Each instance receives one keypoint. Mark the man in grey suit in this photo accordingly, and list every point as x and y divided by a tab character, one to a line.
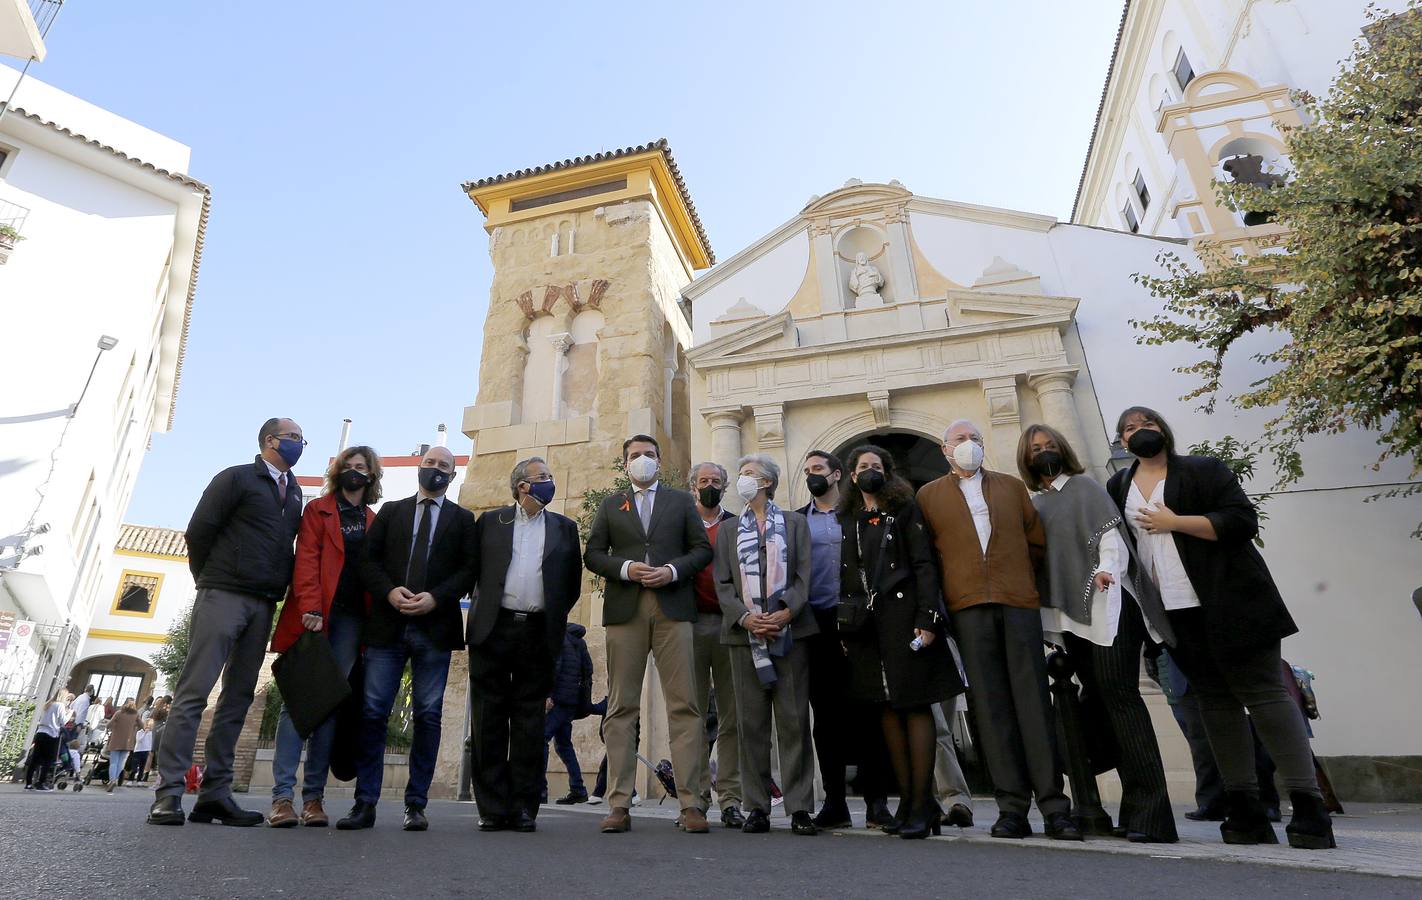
648	543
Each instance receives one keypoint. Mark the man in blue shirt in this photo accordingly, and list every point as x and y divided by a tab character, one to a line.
836	717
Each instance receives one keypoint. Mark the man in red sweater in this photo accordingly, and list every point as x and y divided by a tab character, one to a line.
712	659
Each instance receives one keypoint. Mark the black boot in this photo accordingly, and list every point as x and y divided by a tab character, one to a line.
1310	828
1246	822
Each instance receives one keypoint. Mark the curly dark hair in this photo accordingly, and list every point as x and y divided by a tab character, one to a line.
896	493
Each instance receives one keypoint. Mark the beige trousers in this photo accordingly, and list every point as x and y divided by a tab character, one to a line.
713	666
670	643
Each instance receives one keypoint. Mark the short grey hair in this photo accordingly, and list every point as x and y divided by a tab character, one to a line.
956	422
520	472
696	471
768	469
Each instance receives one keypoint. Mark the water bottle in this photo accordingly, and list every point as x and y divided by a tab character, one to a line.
916	644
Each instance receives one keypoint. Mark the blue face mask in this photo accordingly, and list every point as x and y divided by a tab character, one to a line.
542	491
433	480
289	450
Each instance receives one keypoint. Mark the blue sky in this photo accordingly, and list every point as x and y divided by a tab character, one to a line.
335	137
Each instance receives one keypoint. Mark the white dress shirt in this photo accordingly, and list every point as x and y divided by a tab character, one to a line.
1158	553
640	496
523	585
977	505
278	474
420	508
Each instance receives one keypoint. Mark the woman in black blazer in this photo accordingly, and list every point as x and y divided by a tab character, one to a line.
1194	530
886	566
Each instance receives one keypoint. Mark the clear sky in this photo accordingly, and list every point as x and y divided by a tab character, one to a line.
346	275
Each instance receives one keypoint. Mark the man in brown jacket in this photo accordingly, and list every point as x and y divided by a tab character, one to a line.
988	540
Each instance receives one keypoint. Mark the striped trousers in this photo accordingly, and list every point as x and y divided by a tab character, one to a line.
1113	674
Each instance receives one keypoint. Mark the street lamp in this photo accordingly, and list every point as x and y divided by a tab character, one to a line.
106	343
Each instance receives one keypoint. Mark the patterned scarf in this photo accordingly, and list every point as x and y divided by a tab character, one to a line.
776	562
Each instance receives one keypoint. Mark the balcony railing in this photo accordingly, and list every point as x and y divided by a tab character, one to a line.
13	214
44	12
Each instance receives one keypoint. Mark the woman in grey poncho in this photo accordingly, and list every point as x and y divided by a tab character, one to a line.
1096	605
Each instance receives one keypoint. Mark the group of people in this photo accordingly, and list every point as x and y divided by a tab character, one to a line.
129	735
847	630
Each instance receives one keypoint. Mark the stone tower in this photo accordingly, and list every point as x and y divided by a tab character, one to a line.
585	341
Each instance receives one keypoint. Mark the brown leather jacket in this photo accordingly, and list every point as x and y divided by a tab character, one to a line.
1006	573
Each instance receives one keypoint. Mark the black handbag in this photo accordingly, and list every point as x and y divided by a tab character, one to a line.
852	611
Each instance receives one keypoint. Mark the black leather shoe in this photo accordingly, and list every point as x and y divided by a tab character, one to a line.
166	811
801	823
362	815
1060	827
834	814
918	827
1201	814
756	823
415	819
572	797
896	824
1011	825
493	823
876	814
959	816
226	811
731	817
523	821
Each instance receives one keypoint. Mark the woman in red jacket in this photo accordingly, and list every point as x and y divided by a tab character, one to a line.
327	596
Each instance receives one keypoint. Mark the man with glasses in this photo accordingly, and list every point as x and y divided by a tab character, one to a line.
530	575
241	550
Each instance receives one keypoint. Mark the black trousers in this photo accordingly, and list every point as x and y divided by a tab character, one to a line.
1113	674
845	731
43	755
1007	683
510	678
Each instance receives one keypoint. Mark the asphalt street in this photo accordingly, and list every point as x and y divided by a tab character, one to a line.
95	845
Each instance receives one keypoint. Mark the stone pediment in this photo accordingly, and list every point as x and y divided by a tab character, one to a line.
775	332
854	198
967	307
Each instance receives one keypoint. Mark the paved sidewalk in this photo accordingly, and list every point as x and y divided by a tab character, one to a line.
1373	838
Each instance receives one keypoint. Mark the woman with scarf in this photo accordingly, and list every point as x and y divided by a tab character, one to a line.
1194	529
1097	605
762	574
891	620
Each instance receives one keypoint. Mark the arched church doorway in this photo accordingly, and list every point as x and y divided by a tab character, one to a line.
115	676
920	460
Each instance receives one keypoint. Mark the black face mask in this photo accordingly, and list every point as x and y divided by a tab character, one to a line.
433	480
710	496
870	481
1047	464
1146	443
351	480
818	484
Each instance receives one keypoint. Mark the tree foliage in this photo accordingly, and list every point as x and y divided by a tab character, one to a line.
170	657
1345	292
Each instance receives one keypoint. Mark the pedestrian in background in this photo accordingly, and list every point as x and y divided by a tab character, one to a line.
142	748
1194	529
123	734
329	598
44	751
240	550
571	700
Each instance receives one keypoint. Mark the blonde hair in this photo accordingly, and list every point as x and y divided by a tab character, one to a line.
338	465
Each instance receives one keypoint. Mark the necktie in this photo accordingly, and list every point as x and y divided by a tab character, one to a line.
419	554
281	488
645	510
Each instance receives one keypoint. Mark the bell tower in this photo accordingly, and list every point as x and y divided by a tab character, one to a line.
585	341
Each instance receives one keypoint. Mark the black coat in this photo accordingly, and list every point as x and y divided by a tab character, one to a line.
241	537
562	573
676	537
453	566
908	596
573	671
1242	606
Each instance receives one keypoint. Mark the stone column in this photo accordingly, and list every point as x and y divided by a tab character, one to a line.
1058	403
1004	425
725	423
770	434
562	342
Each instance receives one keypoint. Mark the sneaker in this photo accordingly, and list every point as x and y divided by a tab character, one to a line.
594	799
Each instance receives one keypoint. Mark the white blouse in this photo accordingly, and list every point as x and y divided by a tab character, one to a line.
1158	553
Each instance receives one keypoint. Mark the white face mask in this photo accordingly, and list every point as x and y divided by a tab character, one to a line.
643	469
747	486
968	456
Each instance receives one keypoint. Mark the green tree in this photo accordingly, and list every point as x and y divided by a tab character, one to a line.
1345	293
169	658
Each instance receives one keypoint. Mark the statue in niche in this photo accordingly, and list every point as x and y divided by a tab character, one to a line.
865	282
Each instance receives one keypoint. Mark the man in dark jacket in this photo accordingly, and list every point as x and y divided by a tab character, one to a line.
571	700
241	550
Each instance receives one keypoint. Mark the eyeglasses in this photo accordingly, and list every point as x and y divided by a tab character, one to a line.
293	436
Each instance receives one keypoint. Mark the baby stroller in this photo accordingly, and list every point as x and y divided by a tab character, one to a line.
95	760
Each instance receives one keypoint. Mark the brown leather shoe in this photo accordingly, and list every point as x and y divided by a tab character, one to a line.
693	821
282	816
313	815
619	820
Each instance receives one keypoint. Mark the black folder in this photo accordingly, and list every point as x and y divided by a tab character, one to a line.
312	685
